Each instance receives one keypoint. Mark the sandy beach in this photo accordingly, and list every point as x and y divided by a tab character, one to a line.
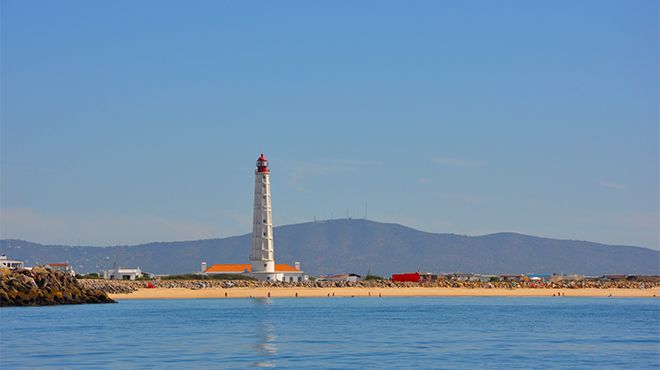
279	292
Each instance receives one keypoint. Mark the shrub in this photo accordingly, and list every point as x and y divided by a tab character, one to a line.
207	277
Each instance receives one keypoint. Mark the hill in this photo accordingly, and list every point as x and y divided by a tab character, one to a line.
347	245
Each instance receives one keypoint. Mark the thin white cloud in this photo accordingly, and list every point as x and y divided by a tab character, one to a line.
613	185
458	162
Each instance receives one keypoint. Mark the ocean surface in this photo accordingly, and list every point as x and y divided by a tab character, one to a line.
338	333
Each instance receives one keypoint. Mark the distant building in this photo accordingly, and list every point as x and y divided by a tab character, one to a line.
341	277
485	278
514	278
415	277
555	278
460	276
573	277
61	266
647	278
407	276
616	277
119	273
539	277
11	264
283	272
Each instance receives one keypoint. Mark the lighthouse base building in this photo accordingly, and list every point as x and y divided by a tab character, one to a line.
283	272
262	264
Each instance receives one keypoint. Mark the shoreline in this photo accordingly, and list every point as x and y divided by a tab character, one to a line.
300	292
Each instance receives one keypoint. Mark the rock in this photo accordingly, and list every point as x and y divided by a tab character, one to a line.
39	287
126	286
40	270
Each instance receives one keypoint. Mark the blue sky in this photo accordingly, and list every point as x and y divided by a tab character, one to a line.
128	122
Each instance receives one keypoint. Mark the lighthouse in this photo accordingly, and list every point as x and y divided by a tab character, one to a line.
262	254
262	257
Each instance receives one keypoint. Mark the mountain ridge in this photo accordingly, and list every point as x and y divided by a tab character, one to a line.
358	245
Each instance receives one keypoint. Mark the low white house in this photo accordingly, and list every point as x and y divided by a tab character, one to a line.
341	277
11	264
61	266
122	273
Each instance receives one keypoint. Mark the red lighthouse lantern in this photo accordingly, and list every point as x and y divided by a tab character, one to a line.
262	164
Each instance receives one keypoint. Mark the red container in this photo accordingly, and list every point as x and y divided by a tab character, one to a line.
408	276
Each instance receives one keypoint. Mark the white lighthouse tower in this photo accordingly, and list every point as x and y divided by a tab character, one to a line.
262	257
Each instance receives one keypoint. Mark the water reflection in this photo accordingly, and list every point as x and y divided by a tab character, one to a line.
265	336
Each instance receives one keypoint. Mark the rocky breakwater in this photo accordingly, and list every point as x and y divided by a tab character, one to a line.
43	287
127	286
113	286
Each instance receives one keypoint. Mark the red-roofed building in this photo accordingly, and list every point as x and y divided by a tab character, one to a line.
61	266
229	268
284	272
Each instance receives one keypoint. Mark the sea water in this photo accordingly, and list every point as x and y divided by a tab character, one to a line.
348	333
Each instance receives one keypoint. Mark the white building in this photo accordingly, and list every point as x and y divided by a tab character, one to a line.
122	273
341	277
283	272
61	266
262	256
11	264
